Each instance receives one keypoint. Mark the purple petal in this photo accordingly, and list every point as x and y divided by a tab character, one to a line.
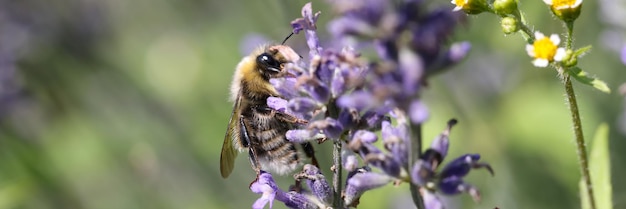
296	200
345	26
350	161
374	157
338	84
348	118
458	51
418	112
365	136
317	183
303	105
422	173
265	185
277	103
461	166
320	93
362	182
442	142
431	201
359	100
286	87
454	186
331	127
301	135
372	120
411	68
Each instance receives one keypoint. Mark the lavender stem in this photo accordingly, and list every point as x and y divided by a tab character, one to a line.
337	201
415	152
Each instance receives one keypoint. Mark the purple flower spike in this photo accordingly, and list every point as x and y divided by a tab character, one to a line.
361	182
316	182
307	23
462	165
264	185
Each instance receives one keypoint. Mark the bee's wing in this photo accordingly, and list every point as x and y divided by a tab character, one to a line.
227	158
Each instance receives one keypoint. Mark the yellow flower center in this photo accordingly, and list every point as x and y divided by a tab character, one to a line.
563	3
460	3
544	48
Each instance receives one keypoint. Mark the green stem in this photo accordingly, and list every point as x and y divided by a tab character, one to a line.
580	141
578	129
333	112
570	32
415	152
337	201
523	27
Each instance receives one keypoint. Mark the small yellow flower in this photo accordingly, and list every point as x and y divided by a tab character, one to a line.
566	10
460	4
545	50
470	6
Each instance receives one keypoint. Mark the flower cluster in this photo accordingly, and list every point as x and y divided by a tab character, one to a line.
347	99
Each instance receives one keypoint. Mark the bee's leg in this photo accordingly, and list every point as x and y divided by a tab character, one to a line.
309	151
285	117
246	142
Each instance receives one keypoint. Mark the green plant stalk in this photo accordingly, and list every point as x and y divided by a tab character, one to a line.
337	201
415	152
337	169
583	160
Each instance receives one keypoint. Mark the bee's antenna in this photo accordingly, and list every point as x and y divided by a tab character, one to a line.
283	43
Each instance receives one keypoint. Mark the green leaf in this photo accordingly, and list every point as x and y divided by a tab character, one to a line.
600	168
581	51
584	78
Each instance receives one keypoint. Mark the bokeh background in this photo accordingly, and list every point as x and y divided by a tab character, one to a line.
123	104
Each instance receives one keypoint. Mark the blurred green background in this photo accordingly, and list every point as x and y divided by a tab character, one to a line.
123	104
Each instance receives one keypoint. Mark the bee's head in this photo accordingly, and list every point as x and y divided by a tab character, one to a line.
268	65
271	63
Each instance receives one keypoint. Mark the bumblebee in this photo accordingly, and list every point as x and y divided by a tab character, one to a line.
255	127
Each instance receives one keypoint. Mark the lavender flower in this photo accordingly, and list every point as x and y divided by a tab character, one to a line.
347	99
266	186
450	180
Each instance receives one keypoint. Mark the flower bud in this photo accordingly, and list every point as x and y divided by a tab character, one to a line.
509	25
504	7
566	10
570	60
